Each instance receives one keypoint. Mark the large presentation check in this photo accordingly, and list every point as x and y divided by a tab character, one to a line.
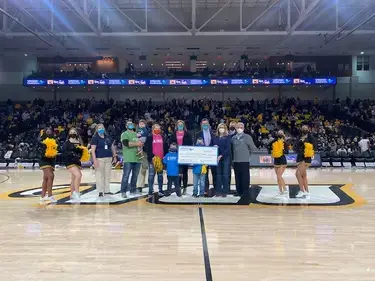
205	155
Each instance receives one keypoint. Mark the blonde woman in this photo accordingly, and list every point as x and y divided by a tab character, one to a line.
222	140
103	154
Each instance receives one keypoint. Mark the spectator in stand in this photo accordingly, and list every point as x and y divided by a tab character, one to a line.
131	161
364	144
182	137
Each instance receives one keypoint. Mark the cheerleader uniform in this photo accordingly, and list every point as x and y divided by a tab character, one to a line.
45	162
279	161
72	155
300	149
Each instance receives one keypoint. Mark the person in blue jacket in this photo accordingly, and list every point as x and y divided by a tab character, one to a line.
173	170
223	141
199	175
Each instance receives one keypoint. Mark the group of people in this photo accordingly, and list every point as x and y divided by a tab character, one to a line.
149	149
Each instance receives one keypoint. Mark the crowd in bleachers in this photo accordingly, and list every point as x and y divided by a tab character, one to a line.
20	125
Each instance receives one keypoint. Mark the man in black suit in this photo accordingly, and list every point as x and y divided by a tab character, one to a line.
207	135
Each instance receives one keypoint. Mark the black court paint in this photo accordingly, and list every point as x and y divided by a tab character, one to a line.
6	178
206	256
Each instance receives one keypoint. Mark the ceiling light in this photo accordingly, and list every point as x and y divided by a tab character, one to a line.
25	55
362	53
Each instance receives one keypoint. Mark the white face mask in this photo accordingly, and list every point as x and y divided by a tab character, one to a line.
221	130
239	130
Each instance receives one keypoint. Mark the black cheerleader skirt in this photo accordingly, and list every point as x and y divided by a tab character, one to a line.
45	162
302	158
280	161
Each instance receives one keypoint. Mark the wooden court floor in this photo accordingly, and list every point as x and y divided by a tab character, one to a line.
332	238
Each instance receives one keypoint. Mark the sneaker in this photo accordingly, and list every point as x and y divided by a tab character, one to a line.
101	194
76	196
195	196
300	195
123	195
41	200
306	195
52	200
184	191
224	195
160	194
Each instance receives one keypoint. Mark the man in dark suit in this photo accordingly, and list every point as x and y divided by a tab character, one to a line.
207	135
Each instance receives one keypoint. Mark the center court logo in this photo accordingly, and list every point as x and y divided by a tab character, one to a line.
320	195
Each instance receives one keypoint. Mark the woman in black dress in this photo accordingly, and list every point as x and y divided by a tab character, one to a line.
278	148
304	148
72	156
47	162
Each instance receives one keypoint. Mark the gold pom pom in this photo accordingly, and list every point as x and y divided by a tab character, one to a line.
158	164
85	153
204	169
278	149
309	150
51	148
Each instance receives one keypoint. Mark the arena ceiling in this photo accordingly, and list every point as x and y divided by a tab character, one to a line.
257	28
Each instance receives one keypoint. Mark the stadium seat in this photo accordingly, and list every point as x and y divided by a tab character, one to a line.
369	159
326	159
346	159
358	159
336	159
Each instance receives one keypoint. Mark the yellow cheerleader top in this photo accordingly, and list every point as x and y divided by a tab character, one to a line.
278	148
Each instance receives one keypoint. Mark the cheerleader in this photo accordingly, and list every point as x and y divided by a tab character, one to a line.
47	162
73	154
305	151
278	148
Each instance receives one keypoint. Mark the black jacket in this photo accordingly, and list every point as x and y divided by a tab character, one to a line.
187	140
148	147
200	135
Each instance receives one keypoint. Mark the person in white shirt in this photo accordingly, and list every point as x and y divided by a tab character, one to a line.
364	144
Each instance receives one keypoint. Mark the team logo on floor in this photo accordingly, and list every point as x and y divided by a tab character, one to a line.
266	195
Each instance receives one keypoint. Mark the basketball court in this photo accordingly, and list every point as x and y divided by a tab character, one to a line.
329	236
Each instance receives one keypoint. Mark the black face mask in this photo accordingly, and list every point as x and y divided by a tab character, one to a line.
232	128
73	136
305	132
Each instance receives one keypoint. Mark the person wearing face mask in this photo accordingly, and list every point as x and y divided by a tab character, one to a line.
170	160
207	135
47	163
103	152
278	148
242	148
72	155
131	160
232	128
142	134
223	141
305	146
182	137
156	146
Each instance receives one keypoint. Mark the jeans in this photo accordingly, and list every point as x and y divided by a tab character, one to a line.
175	180
199	184
151	179
134	169
222	176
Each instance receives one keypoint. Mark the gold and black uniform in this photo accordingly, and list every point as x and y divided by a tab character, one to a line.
300	148
72	154
275	144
